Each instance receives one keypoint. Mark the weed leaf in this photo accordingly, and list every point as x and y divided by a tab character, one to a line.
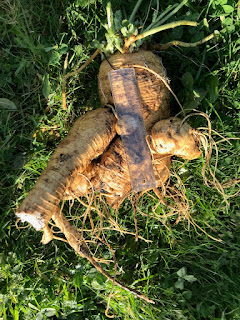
187	80
228	9
46	87
182	272
7	104
190	278
187	294
180	284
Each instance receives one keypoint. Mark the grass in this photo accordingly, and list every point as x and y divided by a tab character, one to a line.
190	275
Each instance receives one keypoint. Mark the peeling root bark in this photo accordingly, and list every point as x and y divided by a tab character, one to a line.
79	245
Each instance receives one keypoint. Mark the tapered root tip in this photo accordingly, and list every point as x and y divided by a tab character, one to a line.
35	220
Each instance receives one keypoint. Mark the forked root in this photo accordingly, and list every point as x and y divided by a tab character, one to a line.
80	247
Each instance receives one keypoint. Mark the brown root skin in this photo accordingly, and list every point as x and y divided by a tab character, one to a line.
79	183
90	159
47	235
153	92
88	138
172	136
110	175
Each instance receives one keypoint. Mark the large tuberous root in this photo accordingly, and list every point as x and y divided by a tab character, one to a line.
85	142
109	175
91	158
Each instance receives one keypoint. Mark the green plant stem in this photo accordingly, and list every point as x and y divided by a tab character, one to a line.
135	11
149	6
110	17
156	12
160	17
159	22
165	27
171	13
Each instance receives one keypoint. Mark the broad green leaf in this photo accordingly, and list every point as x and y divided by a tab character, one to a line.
190	278
78	49
95	44
46	86
187	80
124	31
227	8
187	294
72	304
54	58
125	23
212	87
182	272
204	311
7	104
32	306
230	29
228	21
95	284
180	284
63	49
227	160
49	312
39	316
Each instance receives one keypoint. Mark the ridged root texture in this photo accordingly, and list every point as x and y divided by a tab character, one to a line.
172	136
87	140
110	175
153	92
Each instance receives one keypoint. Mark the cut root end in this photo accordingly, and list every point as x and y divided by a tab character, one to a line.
35	219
